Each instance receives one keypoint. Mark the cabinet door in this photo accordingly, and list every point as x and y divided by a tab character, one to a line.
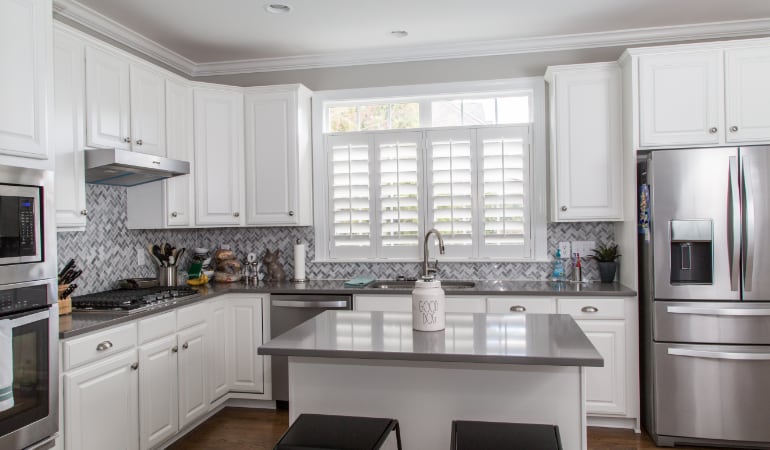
107	100
244	325
68	130
218	157
470	304
218	365
101	406
271	159
25	90
158	401
148	111
680	98
606	386
520	304
179	145
747	94
192	374
587	140
390	303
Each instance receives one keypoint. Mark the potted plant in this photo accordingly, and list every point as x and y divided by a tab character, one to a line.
606	255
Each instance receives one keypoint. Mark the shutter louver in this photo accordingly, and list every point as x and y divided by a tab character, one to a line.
350	194
451	187
399	194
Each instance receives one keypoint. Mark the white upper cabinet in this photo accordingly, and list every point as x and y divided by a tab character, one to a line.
218	156
704	94
125	104
25	81
179	145
278	156
586	146
747	94
68	130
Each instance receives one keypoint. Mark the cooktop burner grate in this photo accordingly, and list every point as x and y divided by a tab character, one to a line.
130	300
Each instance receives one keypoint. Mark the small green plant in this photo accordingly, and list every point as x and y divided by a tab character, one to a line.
605	252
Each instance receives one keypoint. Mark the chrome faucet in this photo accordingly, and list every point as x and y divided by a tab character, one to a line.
429	272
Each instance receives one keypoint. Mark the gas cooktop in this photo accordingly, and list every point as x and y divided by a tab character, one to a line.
131	300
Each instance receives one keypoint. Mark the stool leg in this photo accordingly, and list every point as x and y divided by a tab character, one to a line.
398	436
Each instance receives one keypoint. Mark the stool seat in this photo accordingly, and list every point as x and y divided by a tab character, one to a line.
321	431
471	435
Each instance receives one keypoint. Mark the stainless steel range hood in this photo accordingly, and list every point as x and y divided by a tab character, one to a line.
125	168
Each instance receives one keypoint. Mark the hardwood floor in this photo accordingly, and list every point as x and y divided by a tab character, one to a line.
260	429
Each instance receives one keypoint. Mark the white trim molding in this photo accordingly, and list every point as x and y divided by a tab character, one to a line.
99	23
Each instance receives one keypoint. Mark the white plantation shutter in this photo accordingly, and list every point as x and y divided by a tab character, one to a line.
350	200
504	184
451	189
399	168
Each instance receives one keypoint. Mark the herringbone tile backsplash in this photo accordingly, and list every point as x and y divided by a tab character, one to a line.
107	250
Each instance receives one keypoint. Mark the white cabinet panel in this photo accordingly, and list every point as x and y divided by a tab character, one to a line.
179	145
244	325
107	100
586	141
158	394
101	405
747	94
389	303
148	115
606	386
25	81
218	157
193	366
521	304
218	360
68	130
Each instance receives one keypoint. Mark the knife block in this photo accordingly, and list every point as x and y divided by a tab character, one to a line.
65	305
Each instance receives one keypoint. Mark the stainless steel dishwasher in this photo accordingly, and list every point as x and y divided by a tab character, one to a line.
286	312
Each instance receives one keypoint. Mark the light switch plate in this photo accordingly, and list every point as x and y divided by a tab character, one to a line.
564	249
583	247
140	259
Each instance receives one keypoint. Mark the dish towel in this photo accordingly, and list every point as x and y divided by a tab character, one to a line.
6	365
360	281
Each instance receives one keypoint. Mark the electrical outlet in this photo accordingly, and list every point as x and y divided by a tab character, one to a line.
583	247
564	249
140	259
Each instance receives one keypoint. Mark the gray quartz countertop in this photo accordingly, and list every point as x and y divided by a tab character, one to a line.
85	322
524	339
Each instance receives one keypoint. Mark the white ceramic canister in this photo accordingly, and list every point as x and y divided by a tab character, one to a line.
428	306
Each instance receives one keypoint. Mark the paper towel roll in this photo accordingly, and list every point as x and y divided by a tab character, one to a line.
299	262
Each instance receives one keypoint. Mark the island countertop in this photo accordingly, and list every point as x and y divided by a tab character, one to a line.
524	339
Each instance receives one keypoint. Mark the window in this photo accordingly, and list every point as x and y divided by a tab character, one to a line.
390	167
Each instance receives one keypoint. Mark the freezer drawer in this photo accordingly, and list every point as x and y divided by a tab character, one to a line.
713	392
712	322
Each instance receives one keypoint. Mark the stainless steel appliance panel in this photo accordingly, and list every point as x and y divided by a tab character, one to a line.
755	183
713	392
288	311
690	185
712	322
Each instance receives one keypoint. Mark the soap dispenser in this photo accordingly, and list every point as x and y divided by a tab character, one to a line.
558	268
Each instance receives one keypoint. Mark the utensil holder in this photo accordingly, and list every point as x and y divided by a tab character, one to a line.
65	305
167	276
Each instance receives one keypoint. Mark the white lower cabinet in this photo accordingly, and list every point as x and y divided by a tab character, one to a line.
521	304
158	393
244	336
217	370
101	407
193	399
403	303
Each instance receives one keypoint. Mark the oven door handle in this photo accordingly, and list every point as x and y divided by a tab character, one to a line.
26	318
740	356
312	304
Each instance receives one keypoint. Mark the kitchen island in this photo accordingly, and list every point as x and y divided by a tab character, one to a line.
525	368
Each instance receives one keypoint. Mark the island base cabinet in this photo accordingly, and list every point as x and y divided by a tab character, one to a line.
244	325
101	408
193	401
158	392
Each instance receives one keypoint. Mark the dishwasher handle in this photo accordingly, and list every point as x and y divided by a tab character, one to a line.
338	304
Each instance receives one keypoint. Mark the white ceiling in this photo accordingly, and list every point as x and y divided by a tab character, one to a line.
217	31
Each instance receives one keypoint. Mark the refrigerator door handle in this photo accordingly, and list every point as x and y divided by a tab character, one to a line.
718	311
741	356
748	195
734	226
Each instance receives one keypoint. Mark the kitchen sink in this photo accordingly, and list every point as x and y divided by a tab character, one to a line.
406	284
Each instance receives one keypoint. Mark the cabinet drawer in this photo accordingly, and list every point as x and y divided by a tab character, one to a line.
156	327
458	304
99	345
542	305
390	303
191	315
592	308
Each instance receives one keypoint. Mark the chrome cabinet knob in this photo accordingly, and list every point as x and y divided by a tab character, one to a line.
174	349
589	309
518	308
186	345
733	128
713	130
563	208
174	214
83	212
127	140
291	213
139	142
134	366
236	214
106	345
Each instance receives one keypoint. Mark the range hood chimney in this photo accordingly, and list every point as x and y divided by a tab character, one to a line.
125	168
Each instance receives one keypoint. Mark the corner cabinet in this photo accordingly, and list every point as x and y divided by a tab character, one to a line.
585	127
278	156
218	156
25	82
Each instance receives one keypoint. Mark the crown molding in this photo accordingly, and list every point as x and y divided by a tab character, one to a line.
95	21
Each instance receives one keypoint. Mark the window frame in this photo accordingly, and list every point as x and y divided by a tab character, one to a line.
537	159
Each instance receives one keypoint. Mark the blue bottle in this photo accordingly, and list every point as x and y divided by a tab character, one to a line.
558	268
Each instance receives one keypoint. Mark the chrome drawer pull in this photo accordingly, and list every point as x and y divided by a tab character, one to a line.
589	309
518	308
106	345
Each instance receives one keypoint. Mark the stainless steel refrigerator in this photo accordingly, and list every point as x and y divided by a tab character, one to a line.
704	239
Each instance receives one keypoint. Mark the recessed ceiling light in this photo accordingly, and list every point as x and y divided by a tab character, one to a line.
399	33
277	8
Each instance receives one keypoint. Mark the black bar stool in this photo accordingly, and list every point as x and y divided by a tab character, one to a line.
320	431
470	435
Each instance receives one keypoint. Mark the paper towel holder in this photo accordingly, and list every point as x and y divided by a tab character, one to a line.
299	261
